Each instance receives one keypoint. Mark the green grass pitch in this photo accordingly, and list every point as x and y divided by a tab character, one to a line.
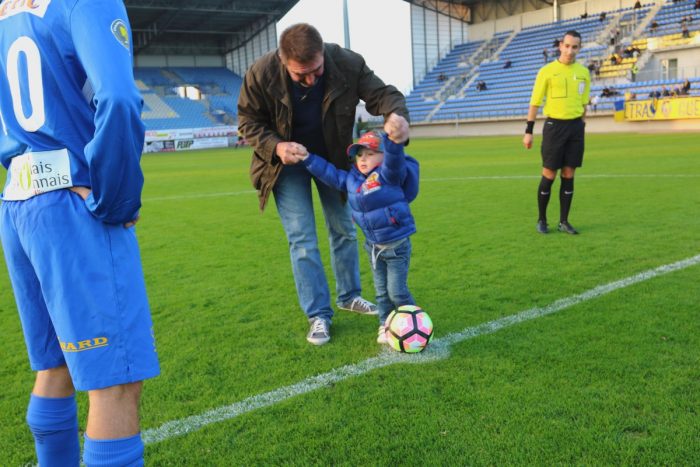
613	380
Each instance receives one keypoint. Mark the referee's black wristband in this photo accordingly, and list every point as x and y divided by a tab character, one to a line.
530	126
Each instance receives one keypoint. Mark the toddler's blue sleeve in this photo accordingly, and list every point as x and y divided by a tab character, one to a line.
326	172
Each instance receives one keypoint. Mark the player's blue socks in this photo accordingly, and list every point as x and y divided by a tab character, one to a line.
122	452
54	424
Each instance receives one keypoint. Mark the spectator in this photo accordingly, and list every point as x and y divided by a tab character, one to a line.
307	73
609	92
507	64
685	89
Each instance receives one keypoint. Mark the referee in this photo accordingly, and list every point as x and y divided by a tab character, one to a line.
565	86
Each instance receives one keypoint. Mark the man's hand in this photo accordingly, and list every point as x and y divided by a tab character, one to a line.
84	192
290	153
527	141
396	128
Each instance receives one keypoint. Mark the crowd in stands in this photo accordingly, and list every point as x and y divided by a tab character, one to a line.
677	91
616	63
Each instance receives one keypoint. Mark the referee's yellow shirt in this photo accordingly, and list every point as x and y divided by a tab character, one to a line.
564	88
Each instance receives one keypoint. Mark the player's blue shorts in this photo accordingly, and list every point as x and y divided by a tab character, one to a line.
80	291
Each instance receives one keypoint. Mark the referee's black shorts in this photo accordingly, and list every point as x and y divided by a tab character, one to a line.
562	143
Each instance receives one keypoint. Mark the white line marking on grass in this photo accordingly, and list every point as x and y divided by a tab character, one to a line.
427	179
439	348
531	177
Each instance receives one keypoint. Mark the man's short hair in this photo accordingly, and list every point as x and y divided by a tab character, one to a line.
574	33
300	42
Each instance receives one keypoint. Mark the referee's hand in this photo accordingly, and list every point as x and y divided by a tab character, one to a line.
527	140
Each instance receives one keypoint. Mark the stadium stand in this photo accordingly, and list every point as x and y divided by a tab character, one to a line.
164	109
508	87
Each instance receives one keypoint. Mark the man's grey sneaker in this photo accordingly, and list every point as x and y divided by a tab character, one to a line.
381	335
567	228
542	227
359	305
319	332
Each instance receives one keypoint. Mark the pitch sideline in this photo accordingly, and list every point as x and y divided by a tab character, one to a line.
439	348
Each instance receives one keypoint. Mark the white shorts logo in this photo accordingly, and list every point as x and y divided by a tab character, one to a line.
34	173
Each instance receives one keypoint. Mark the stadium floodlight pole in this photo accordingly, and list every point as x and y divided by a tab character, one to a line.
346	26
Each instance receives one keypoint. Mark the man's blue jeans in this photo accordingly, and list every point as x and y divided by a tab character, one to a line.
390	270
295	206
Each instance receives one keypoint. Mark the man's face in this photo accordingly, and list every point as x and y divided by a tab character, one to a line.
305	73
569	48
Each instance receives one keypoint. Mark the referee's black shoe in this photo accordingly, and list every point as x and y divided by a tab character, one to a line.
542	227
565	227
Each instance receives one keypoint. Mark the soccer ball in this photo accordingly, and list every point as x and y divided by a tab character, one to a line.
409	329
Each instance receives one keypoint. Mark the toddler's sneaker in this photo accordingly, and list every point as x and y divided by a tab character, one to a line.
381	336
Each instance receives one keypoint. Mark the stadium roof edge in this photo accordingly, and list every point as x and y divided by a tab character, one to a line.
211	27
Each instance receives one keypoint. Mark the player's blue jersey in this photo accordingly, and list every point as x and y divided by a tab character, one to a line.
67	86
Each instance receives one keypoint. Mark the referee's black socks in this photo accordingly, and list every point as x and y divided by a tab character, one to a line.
543	193
566	194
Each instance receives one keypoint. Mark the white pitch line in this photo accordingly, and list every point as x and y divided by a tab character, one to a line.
529	177
428	179
439	348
